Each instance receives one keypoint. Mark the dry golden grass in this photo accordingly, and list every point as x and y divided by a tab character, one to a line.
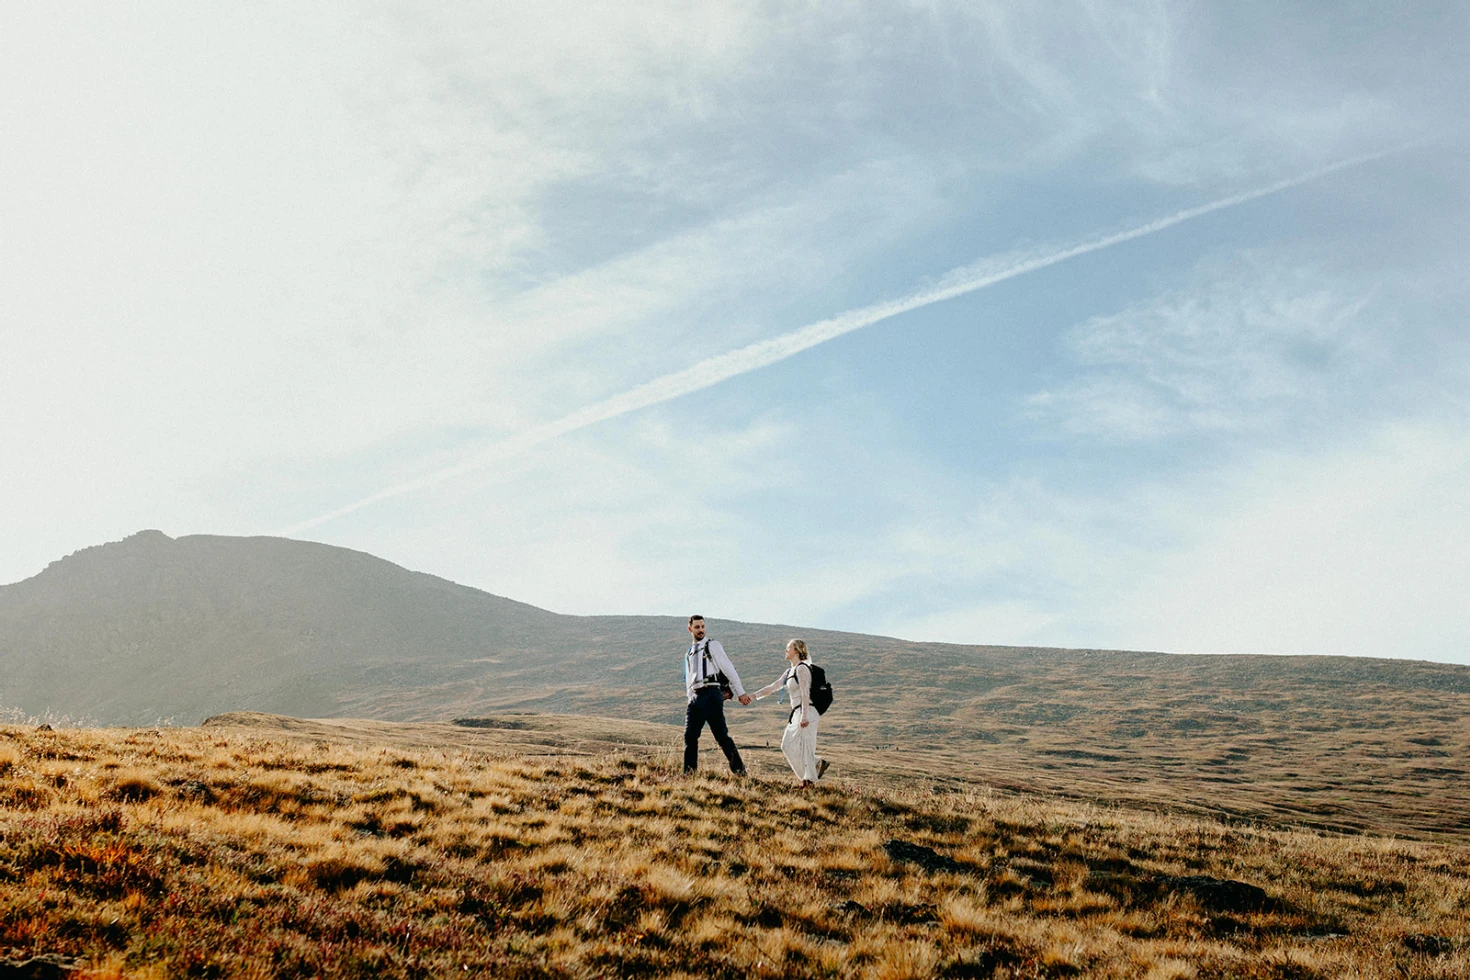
1305	742
371	851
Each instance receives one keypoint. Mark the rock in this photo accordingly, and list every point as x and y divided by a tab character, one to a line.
911	914
194	789
48	966
1430	945
1221	894
925	857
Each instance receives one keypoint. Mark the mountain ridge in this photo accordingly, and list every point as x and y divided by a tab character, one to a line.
206	602
213	623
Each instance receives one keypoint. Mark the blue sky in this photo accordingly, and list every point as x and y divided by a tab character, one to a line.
1124	325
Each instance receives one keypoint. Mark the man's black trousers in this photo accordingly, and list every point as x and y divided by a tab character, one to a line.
708	707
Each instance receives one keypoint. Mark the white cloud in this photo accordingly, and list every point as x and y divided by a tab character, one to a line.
721	281
1356	551
1251	343
1362	550
1359	548
645	526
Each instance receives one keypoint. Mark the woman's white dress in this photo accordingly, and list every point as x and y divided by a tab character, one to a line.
798	744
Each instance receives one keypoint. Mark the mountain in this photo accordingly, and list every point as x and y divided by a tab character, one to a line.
154	627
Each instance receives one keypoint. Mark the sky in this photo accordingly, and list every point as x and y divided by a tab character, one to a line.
1123	325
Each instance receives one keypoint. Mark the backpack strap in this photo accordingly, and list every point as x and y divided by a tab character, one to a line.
803	663
705	657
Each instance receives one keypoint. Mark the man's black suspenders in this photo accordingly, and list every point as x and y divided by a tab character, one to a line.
705	678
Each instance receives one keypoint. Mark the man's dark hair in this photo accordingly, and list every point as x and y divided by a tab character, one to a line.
694	617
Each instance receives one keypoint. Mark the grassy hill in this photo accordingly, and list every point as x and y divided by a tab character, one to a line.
536	847
155	627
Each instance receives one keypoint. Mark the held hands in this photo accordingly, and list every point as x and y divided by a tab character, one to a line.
745	699
805	723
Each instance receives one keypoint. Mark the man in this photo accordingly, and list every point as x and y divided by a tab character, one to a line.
703	664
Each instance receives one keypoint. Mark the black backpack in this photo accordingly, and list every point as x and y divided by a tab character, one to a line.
821	688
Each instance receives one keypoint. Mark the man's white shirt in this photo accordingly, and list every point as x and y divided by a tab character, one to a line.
699	670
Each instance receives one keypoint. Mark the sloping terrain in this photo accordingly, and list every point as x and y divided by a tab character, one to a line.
274	847
154	627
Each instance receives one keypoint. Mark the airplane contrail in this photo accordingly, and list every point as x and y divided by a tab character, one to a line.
722	367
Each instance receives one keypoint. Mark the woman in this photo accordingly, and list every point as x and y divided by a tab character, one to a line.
799	741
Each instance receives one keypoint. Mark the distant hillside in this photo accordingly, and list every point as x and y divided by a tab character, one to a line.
151	626
154	627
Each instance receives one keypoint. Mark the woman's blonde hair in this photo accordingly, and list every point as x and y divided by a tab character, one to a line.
800	647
